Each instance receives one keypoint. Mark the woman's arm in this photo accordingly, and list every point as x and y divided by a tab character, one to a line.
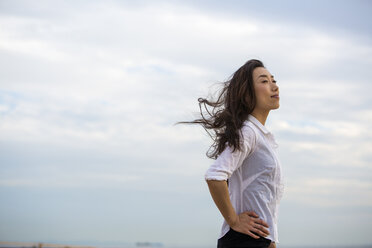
246	222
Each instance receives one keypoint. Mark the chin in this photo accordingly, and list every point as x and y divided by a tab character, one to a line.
276	107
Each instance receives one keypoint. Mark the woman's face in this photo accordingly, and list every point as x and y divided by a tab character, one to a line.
266	89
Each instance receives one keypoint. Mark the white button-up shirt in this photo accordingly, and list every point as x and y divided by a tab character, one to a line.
254	173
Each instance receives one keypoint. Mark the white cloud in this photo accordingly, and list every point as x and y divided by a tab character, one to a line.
86	180
330	192
107	82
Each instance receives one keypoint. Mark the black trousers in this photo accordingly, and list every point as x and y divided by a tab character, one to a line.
234	239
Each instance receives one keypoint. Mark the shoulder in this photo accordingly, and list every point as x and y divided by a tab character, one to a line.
249	134
249	128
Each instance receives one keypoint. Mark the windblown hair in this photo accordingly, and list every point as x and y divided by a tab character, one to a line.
234	103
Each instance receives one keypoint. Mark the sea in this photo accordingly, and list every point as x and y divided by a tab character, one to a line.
7	244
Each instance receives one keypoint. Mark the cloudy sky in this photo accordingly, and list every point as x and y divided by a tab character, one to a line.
90	92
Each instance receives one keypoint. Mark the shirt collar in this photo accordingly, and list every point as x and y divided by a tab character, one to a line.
258	124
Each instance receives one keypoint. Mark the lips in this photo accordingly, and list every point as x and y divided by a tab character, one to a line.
275	96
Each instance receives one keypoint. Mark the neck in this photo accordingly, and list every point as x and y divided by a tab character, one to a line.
261	116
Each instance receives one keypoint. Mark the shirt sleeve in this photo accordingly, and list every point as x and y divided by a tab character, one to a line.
227	162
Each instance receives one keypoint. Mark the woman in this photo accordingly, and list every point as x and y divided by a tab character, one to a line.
245	180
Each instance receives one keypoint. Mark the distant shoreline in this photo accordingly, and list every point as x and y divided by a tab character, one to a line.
6	244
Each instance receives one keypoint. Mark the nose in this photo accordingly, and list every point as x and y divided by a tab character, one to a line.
275	88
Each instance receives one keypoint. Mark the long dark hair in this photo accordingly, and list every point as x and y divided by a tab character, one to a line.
234	103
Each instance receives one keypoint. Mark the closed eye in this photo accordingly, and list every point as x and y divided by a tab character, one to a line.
265	81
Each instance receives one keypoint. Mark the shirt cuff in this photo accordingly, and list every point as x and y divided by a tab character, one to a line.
216	175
